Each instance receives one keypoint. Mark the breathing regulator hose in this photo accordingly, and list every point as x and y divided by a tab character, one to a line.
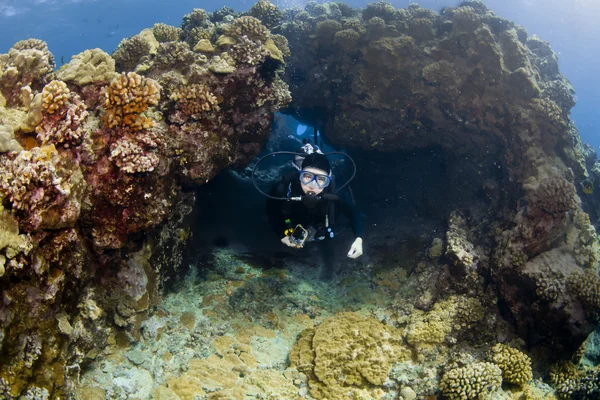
327	196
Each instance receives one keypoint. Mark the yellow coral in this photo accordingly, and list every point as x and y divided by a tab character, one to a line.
474	381
54	96
126	98
348	353
430	329
515	365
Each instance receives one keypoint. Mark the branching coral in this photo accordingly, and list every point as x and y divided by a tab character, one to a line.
32	183
166	33
555	195
249	26
194	99
586	287
381	9
131	157
131	50
573	383
54	96
471	382
282	44
515	365
246	51
65	124
267	13
126	98
89	66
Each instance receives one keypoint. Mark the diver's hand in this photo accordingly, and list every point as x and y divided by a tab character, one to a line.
356	249
287	241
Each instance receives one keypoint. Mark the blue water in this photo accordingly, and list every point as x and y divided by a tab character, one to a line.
70	26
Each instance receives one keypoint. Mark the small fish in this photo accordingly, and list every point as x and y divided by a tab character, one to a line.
588	186
62	60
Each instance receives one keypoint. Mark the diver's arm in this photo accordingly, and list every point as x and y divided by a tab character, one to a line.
356	250
353	216
275	209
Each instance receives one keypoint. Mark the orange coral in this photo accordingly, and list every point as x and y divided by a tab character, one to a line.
126	98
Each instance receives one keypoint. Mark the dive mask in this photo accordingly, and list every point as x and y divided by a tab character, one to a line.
307	177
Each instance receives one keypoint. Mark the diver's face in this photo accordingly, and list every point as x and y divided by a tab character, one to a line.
312	187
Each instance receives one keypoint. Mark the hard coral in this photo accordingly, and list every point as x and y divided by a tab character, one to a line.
63	116
28	64
347	355
54	96
131	157
194	99
586	287
246	51
37	188
90	66
267	13
471	382
515	365
555	195
126	98
131	50
381	9
166	33
249	26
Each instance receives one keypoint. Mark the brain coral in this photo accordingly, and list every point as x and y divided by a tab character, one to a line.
348	353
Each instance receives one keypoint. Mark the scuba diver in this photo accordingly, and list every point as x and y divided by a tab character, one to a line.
302	206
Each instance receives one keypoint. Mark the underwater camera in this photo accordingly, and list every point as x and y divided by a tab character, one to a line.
299	235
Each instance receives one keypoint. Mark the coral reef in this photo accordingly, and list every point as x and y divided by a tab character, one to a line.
269	14
347	355
100	163
126	98
476	381
89	66
94	164
515	365
405	80
166	33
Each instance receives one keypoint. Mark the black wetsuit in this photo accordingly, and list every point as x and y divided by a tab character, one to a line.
309	217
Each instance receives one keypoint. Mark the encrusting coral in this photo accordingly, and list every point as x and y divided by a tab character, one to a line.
126	98
348	355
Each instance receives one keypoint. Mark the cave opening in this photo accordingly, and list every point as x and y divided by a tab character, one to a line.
405	198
